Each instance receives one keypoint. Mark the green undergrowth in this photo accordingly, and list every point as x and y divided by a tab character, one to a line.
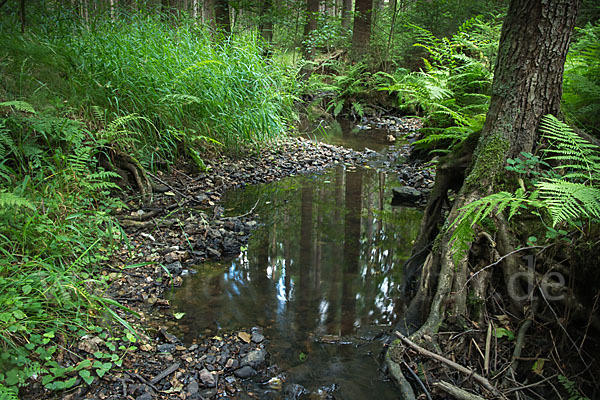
565	197
195	91
56	232
453	90
581	96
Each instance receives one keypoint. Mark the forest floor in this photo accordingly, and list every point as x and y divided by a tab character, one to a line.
183	227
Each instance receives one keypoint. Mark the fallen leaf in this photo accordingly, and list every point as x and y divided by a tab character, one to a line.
244	336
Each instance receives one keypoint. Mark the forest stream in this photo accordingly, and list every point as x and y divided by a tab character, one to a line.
320	276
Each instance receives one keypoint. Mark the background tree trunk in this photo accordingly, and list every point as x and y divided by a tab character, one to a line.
266	22
312	10
222	16
346	13
361	32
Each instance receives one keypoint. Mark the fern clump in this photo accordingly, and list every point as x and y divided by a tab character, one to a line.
565	196
453	90
581	94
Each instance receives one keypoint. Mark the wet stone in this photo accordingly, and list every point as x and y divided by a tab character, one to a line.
207	378
295	391
165	348
192	388
255	358
257	337
245	372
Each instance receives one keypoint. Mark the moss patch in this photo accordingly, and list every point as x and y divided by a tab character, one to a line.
489	159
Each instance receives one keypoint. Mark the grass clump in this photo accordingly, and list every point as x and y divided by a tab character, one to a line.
194	91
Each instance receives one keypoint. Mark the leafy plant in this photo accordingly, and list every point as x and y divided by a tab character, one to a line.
581	95
55	230
565	195
453	90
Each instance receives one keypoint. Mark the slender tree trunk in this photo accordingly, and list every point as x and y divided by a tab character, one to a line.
222	16
208	14
22	16
527	85
346	14
312	10
361	33
266	24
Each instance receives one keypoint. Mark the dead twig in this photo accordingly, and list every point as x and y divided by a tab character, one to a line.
456	392
248	213
467	371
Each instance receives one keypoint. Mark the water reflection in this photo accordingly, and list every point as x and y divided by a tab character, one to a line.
326	261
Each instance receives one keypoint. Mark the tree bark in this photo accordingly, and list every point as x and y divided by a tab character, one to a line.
527	85
361	32
312	10
346	13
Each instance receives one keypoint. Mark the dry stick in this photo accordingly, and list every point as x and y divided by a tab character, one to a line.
185	196
456	392
467	371
243	215
530	385
488	346
587	327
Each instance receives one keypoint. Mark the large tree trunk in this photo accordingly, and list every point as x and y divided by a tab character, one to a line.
312	10
361	33
527	85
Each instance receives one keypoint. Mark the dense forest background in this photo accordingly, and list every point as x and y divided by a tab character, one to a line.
97	95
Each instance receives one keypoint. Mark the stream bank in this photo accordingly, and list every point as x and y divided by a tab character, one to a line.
185	227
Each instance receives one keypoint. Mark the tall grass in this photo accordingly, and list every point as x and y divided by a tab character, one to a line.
194	89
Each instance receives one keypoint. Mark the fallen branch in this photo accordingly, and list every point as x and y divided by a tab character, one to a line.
467	371
456	392
174	367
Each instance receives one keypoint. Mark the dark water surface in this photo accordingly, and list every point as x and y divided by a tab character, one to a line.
324	265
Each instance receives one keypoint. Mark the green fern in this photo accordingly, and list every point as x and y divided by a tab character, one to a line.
9	200
474	213
19	106
578	158
569	201
8	393
566	198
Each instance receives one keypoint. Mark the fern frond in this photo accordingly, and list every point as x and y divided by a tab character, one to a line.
7	393
569	148
569	200
8	200
19	106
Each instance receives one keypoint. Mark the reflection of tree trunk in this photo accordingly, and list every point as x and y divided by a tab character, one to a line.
305	259
287	260
351	255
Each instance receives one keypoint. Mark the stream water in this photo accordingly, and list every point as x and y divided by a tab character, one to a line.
321	275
